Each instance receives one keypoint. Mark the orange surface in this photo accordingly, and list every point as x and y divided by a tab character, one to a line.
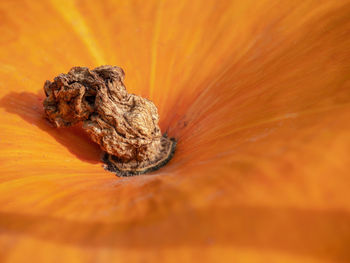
257	94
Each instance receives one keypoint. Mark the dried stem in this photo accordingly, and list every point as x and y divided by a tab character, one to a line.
124	125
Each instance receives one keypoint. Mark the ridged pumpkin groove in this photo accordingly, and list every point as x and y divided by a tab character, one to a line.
257	94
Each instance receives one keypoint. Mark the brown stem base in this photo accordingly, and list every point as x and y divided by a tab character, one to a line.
123	124
122	169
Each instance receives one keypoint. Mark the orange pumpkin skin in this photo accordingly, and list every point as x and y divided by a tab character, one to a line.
257	94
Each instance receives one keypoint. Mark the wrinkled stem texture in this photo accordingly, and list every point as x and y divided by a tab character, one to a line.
124	125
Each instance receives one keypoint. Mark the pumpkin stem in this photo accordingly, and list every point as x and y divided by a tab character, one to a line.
124	125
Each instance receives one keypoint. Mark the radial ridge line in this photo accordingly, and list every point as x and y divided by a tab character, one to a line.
71	14
154	49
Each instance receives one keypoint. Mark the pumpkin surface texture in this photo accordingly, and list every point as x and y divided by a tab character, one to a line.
257	95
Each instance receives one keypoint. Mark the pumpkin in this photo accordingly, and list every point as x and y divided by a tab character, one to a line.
257	93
